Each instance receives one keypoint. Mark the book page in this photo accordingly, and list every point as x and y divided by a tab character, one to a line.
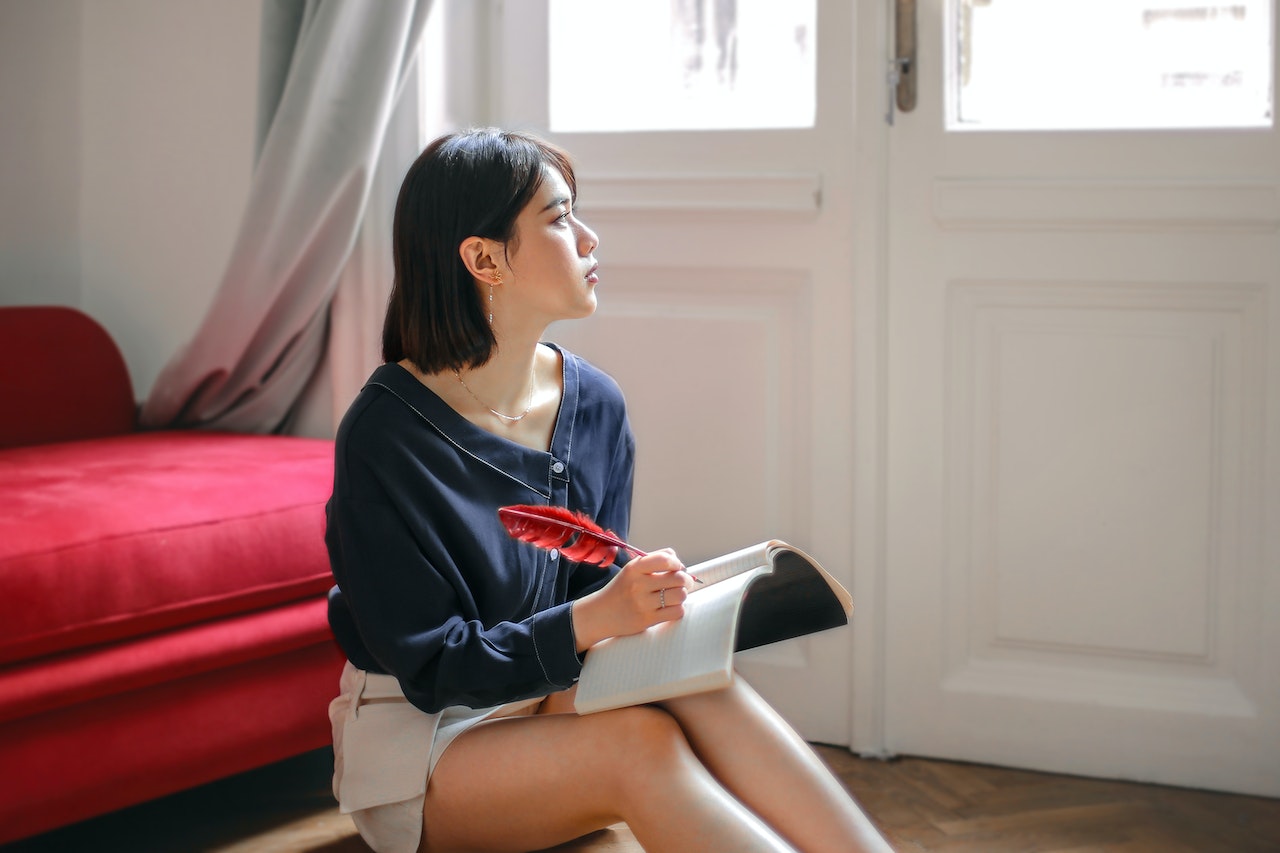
734	563
691	654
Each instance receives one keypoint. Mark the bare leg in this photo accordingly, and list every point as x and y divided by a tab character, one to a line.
525	783
765	764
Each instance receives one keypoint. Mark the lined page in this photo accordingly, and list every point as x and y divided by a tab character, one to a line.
695	652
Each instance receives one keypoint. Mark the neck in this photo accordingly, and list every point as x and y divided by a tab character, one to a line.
505	384
505	376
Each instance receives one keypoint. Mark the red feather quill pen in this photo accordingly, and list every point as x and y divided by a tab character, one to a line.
574	533
577	536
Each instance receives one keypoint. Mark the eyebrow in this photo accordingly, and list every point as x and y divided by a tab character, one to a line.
556	202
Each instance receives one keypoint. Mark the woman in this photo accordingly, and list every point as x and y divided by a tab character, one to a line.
458	636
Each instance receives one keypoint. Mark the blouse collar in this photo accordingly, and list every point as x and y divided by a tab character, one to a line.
541	471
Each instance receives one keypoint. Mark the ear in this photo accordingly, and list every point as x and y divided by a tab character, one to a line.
481	257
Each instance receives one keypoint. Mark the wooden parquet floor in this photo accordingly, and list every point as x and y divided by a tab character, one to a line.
919	805
940	805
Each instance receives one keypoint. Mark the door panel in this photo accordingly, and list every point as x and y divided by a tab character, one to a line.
1081	494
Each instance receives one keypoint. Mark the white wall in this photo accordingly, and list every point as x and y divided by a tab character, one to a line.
39	152
124	184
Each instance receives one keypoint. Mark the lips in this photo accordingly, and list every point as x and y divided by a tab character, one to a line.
591	274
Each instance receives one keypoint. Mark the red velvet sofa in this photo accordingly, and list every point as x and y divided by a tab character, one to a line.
162	594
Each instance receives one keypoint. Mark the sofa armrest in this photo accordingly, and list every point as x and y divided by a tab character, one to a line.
62	378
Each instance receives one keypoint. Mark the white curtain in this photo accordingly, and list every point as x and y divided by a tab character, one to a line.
299	258
364	285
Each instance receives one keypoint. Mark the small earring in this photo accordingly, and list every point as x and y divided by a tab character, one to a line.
497	279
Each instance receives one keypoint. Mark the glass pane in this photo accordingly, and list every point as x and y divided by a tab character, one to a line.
1109	64
681	64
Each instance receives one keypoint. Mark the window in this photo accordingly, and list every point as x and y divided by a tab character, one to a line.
616	65
1110	64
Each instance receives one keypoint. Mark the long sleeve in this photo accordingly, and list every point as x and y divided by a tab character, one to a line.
420	622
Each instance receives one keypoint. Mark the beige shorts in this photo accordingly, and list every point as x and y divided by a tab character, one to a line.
384	751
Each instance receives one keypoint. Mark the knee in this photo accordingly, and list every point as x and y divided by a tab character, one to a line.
650	746
735	698
647	730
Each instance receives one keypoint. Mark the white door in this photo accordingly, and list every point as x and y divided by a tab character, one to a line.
724	297
1080	371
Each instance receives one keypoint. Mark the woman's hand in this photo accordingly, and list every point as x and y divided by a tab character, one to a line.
648	590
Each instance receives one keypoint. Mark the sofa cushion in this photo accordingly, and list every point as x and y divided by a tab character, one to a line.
116	537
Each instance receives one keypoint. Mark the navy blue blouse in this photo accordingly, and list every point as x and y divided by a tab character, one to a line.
430	588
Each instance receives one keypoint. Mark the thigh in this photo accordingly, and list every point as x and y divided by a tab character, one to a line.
525	783
559	703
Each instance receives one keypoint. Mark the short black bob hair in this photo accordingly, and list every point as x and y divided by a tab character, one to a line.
468	184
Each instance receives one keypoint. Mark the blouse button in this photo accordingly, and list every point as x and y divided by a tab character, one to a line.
557	467
555	555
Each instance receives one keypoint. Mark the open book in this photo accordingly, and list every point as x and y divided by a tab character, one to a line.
753	597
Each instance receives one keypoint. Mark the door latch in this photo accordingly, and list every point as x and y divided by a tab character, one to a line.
902	68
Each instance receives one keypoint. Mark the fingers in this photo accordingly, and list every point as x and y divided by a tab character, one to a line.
671	596
647	591
661	572
656	562
669	604
664	567
657	585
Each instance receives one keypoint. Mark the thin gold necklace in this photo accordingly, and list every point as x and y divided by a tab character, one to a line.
511	419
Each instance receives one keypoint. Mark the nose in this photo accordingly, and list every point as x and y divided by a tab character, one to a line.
587	239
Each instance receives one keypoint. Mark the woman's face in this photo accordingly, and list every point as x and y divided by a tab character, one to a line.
552	270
